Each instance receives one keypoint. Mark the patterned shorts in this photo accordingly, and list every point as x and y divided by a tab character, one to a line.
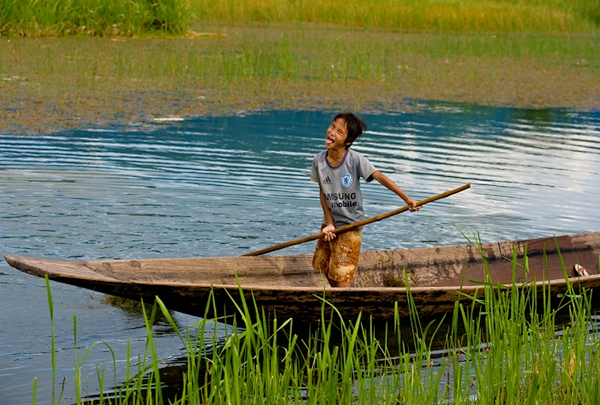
338	258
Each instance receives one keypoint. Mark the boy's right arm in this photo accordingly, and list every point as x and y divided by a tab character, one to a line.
330	225
390	185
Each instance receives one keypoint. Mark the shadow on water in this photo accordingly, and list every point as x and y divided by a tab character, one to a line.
137	309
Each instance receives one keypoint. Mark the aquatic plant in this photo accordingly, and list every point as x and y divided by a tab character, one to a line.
501	347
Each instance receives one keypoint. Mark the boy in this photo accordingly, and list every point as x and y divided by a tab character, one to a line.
337	170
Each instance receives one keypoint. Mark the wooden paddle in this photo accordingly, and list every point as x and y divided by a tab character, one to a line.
356	224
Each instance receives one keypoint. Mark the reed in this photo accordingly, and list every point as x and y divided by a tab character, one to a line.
141	17
36	18
447	15
502	347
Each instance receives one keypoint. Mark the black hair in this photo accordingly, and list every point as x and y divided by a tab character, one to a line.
355	126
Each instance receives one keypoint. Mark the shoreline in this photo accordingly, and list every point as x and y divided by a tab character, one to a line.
46	88
26	114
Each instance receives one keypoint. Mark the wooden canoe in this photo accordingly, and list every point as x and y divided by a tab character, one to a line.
289	287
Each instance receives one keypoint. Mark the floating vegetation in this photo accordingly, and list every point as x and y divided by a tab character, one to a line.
98	82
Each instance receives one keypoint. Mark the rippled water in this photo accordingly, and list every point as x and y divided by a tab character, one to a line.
225	186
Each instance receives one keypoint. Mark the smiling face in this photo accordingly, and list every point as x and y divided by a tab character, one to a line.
337	133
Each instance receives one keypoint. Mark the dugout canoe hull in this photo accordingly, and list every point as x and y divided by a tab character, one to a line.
288	287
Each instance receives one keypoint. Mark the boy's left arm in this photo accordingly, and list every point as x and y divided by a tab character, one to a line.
390	185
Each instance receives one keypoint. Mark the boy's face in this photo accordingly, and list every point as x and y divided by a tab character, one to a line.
336	135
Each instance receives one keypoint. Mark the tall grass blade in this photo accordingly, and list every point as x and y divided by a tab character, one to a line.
52	337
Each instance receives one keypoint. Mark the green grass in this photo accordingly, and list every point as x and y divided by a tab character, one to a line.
37	18
297	56
507	351
446	15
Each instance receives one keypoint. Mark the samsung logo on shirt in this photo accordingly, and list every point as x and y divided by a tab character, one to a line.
340	196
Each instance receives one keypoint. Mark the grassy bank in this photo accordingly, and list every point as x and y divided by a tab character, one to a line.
507	352
40	18
445	15
142	17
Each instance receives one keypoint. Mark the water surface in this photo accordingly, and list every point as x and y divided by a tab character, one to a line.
226	186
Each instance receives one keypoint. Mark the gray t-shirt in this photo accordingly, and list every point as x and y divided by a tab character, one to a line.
341	185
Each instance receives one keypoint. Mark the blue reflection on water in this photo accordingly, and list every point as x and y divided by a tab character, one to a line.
225	186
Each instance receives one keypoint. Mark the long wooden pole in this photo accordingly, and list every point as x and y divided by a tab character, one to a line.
356	224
